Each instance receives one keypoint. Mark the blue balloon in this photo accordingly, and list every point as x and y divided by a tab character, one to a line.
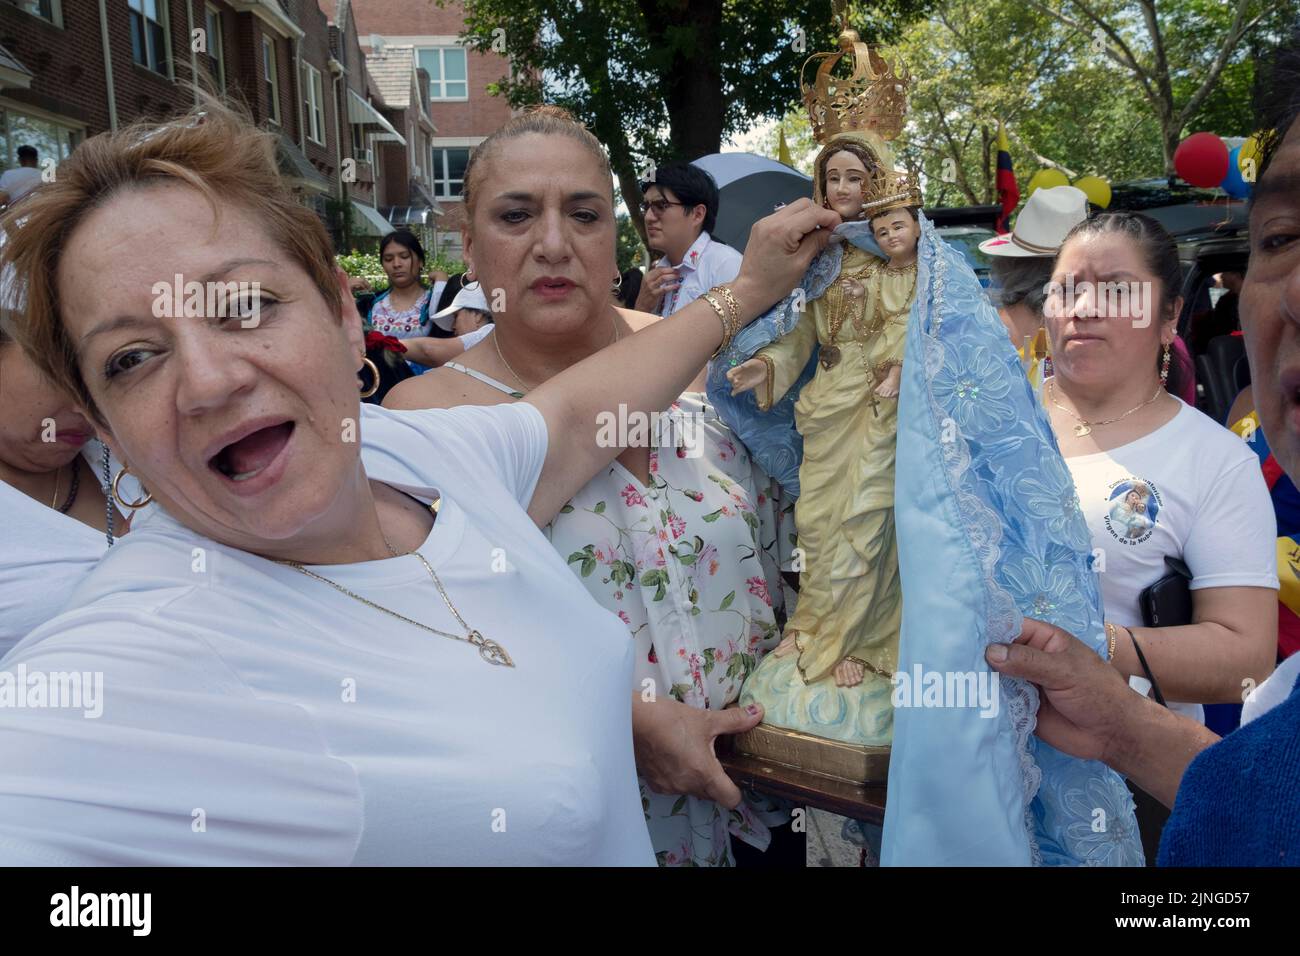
1233	184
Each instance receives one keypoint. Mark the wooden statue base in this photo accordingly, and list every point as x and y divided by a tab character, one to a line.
809	771
848	763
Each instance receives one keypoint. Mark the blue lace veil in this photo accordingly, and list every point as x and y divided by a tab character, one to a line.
989	529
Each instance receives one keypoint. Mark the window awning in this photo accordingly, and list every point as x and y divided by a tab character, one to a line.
369	221
297	169
362	113
412	215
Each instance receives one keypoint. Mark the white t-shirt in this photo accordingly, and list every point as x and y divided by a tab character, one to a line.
19	181
471	339
1273	691
44	554
707	263
1199	497
251	715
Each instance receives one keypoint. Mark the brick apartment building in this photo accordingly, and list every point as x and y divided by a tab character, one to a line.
457	80
70	69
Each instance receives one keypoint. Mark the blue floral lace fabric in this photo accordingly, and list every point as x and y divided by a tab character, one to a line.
989	529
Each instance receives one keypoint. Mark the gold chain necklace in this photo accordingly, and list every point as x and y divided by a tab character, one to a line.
489	650
528	388
1085	428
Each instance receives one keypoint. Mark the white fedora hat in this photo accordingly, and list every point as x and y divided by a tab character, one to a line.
465	299
1044	222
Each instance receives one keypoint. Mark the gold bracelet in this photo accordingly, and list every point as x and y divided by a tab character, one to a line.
1112	634
764	406
723	318
732	305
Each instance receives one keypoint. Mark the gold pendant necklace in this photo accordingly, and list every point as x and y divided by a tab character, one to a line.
489	650
496	342
1085	428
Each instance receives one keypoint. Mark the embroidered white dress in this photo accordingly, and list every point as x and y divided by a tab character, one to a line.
690	564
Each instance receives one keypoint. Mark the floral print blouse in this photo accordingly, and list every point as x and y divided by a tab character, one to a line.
406	324
690	563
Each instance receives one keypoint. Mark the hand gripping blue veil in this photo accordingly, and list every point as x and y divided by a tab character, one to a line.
989	529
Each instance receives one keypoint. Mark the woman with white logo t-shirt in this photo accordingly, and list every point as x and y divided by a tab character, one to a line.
1155	477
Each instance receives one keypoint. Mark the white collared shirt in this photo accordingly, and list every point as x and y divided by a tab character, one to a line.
706	264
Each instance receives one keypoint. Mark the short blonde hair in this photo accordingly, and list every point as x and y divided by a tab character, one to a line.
214	149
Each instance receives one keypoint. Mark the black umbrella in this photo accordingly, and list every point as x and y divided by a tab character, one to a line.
750	187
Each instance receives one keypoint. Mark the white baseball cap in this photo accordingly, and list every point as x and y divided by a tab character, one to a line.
1044	222
465	299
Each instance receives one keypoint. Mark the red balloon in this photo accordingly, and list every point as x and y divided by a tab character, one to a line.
1202	160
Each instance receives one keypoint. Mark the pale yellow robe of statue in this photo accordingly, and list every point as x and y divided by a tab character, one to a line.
850	598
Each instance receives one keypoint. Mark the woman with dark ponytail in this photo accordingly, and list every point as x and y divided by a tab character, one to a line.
1112	314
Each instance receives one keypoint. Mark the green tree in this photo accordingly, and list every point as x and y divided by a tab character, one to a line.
1175	52
664	79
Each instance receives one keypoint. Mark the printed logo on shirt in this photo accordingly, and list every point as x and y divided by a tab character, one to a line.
1132	508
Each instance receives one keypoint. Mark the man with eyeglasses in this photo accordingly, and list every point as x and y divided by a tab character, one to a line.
680	203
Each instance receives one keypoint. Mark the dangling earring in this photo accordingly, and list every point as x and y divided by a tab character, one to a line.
470	279
108	502
374	371
1164	368
129	505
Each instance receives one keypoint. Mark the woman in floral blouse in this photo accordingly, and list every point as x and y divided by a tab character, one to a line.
678	536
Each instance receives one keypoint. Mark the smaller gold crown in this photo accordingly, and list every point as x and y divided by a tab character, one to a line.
888	189
872	99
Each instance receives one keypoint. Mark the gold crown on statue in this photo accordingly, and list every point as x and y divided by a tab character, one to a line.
888	189
872	99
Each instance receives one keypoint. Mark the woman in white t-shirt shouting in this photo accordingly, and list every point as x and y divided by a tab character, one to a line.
1156	478
313	653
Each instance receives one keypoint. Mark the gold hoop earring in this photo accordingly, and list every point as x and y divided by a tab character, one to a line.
374	371
129	505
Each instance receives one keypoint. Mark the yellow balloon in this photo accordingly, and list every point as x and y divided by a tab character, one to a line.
1248	158
1046	179
1095	188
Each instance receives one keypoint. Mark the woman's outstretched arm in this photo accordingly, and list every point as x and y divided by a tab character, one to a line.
645	372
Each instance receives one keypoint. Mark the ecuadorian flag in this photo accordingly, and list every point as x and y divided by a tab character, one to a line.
1008	191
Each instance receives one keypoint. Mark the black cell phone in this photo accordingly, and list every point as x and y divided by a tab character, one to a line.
1168	602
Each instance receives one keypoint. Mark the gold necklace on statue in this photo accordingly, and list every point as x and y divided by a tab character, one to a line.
489	650
841	302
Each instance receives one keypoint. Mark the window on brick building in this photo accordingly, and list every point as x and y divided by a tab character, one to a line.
446	68
272	79
52	140
449	172
45	9
314	101
149	35
216	48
